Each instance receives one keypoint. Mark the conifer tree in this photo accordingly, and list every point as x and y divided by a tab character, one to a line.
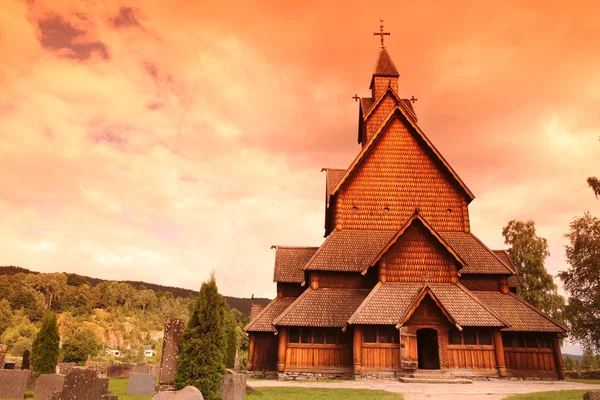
44	352
202	344
231	347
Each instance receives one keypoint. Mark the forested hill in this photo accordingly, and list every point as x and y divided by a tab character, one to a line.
241	304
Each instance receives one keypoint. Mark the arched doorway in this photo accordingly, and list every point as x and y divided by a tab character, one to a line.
428	349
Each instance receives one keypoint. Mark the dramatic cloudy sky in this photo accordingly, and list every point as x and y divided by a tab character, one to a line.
160	140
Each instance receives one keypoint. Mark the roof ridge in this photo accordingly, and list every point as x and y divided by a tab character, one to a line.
287	310
275	246
531	306
399	102
319	249
265	308
412	302
511	270
421	134
481	303
364	302
332	169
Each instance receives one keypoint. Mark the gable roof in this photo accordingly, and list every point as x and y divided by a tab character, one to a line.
480	259
332	177
416	217
348	250
324	307
395	113
522	316
289	263
390	304
399	102
263	322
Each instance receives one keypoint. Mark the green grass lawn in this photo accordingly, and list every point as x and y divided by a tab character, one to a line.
119	387
288	393
590	381
556	395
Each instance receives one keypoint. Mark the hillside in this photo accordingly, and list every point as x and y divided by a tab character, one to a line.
241	304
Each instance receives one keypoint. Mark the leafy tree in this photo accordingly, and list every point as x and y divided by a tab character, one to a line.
588	363
78	345
20	334
528	253
202	343
595	185
569	363
44	352
5	315
581	280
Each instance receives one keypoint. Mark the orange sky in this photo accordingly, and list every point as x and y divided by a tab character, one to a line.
158	141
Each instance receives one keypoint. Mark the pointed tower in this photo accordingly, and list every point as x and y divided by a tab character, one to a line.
385	73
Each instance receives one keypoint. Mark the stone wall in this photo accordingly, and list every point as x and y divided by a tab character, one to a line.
583	374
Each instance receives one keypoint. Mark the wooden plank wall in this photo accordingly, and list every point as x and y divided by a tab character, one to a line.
302	356
380	356
265	351
529	359
471	357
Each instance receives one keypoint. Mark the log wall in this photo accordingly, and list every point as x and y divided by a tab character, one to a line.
301	357
471	357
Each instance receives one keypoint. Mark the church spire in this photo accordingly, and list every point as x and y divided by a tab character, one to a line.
385	73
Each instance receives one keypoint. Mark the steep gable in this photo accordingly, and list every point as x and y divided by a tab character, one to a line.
397	171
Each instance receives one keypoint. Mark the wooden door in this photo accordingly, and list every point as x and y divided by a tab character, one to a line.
408	349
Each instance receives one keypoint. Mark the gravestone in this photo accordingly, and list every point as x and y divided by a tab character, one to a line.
13	383
25	363
236	362
46	385
233	387
141	369
187	393
3	350
171	350
141	384
84	384
119	370
591	396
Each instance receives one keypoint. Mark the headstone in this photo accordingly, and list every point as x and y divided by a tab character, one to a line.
13	383
187	393
88	362
84	384
46	385
141	384
171	350
591	396
233	387
9	365
25	364
236	362
3	350
141	369
119	370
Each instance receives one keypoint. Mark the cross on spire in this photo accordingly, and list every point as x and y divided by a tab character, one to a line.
381	33
356	98
413	99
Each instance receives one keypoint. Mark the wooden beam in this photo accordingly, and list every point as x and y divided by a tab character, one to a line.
499	348
357	349
558	360
250	363
503	285
282	349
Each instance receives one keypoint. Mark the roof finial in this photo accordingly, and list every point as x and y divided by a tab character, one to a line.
381	33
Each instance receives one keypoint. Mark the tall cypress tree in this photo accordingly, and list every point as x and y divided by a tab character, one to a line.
231	347
201	363
44	352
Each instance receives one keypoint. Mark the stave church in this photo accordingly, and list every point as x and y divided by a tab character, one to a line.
400	286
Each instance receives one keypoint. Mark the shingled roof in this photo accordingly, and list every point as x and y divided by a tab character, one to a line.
384	66
479	258
324	307
263	321
521	316
348	250
333	176
390	303
289	263
513	280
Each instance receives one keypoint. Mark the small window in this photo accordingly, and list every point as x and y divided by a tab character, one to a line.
507	340
387	209
544	342
485	339
454	336
318	336
305	336
344	338
520	341
294	336
330	336
354	208
385	335
531	342
370	335
469	336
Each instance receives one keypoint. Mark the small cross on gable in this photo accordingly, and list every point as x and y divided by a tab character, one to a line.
413	99
356	98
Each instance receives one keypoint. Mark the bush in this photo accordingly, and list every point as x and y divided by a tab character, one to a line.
201	360
44	352
78	345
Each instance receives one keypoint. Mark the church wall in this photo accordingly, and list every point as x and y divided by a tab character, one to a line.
377	116
415	254
486	283
264	354
529	354
398	176
319	349
380	85
289	289
328	279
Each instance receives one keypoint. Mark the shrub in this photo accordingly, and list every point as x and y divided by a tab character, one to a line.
44	352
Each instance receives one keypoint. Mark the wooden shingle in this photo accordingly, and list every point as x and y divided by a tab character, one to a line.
289	263
480	259
263	322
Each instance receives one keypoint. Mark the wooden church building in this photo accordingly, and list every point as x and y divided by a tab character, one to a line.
400	284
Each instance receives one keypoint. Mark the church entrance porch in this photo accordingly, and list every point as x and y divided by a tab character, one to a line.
428	349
